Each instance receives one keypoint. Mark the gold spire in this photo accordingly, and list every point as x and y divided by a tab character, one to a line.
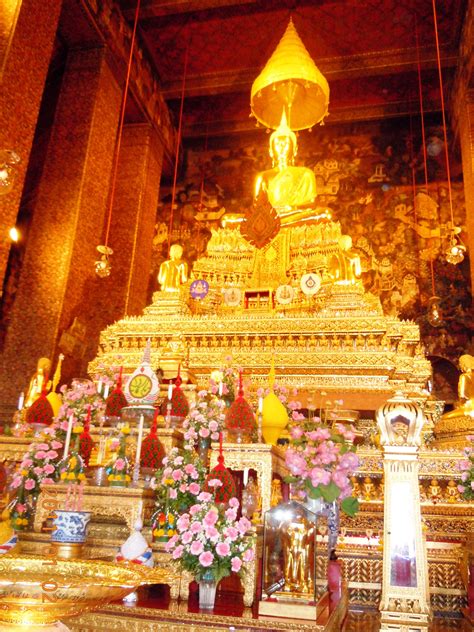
292	81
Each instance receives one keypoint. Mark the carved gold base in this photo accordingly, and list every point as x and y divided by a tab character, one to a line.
66	550
287	610
178	619
404	622
452	433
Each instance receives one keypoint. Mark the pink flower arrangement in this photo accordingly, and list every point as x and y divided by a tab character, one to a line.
211	539
205	418
466	467
321	461
179	481
41	461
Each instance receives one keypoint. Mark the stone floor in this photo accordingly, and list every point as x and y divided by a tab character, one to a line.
369	622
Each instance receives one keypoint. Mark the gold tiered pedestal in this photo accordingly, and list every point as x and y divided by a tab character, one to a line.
39	591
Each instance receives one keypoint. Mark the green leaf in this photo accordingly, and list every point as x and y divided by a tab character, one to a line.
330	492
290	479
314	492
350	506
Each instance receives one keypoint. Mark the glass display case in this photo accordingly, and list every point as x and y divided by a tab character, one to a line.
291	580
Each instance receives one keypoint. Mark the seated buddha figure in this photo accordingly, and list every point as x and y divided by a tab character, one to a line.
465	390
345	267
290	190
173	272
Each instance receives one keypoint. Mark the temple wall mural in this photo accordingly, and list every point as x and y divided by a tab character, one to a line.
372	178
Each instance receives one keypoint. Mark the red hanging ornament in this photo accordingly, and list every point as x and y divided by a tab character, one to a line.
116	400
240	418
153	452
40	412
179	401
227	490
86	444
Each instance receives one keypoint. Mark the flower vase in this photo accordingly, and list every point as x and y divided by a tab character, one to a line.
207	591
203	449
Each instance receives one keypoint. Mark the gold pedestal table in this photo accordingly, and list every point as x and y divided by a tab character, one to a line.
128	503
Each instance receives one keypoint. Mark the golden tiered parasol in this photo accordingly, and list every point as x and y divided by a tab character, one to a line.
291	81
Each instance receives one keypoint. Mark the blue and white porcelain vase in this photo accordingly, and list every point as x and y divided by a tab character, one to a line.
70	526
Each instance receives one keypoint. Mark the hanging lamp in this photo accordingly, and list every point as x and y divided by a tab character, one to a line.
102	265
8	161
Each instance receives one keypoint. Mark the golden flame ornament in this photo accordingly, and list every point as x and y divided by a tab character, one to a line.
290	81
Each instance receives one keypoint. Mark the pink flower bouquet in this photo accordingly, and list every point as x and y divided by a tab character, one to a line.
179	481
205	419
210	539
321	461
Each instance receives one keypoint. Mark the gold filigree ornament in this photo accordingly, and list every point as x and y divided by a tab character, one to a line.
261	224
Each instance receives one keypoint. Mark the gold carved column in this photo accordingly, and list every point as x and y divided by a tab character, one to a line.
27	32
57	277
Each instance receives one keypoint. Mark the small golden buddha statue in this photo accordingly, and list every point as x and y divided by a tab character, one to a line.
290	190
276	493
297	537
174	271
434	491
356	492
465	390
39	381
345	267
368	489
452	493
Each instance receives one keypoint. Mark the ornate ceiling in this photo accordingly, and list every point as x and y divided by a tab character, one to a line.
367	49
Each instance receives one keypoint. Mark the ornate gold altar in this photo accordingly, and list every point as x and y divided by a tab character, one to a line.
337	340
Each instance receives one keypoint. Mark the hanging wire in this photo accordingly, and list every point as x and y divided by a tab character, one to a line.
102	266
441	89
178	142
121	123
423	140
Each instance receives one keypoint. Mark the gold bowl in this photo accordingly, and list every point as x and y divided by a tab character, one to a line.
37	590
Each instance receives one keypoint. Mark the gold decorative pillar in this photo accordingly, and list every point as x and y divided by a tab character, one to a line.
27	31
57	278
405	602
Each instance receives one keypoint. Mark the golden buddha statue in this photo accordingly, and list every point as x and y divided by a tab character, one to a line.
452	493
39	381
345	267
297	540
465	390
174	271
290	190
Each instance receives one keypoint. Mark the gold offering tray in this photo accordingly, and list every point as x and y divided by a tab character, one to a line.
39	590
